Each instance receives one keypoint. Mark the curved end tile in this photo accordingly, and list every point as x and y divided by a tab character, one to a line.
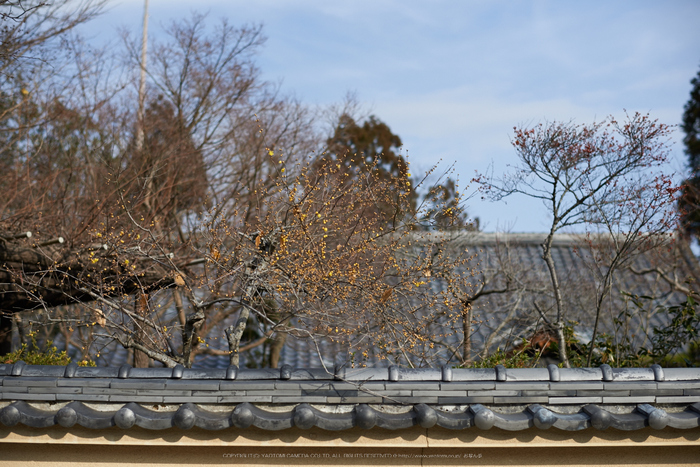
484	418
600	419
124	371
10	416
553	372
178	371
66	417
393	373
426	416
71	368
304	416
286	372
17	368
500	373
543	419
365	416
124	418
658	419
185	418
231	372
446	373
658	372
242	416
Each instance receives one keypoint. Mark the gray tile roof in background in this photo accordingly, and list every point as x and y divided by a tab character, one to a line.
504	319
508	317
343	398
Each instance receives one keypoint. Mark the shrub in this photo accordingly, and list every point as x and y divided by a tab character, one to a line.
35	356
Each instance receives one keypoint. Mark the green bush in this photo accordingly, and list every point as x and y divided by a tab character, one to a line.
35	356
675	345
499	357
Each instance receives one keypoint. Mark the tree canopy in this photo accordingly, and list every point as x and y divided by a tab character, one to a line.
604	177
690	201
234	220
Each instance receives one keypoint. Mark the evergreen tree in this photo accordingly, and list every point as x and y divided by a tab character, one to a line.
371	147
371	143
690	202
445	210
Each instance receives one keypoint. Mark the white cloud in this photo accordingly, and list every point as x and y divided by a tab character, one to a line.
453	78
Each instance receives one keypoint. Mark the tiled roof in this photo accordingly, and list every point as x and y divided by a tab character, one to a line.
503	319
392	398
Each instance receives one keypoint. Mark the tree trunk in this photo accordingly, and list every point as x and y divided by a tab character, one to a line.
467	331
607	286
276	348
5	333
141	360
547	257
234	334
192	324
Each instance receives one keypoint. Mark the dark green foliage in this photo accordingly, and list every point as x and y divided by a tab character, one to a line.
675	345
691	125
371	147
690	202
445	210
522	358
356	146
170	166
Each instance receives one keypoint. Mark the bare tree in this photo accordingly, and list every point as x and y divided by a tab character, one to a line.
30	41
226	222
322	259
31	27
598	176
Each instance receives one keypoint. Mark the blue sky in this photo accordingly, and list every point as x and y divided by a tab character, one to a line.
452	78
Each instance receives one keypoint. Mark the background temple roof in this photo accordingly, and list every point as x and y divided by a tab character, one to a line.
514	262
502	320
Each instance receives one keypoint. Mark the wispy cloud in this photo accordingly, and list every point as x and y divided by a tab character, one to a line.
453	78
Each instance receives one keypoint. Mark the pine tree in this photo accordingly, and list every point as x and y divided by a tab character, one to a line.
690	202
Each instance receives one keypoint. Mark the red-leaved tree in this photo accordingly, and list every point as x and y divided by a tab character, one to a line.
604	179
